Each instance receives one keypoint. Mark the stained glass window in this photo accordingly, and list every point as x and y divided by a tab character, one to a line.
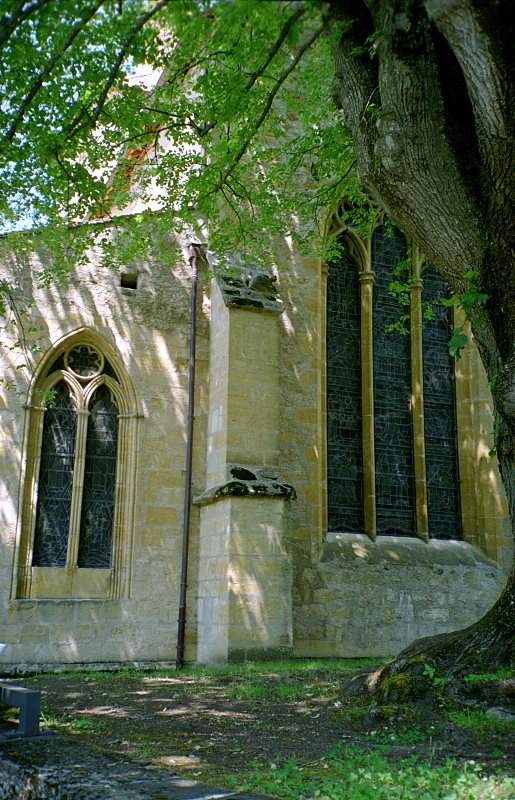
392	454
395	480
56	488
84	361
79	482
55	480
440	414
98	495
344	451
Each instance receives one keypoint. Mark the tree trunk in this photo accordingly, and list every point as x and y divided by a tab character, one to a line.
430	111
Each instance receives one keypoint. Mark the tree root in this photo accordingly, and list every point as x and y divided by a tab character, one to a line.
418	671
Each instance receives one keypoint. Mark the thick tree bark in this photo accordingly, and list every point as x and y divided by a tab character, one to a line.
431	113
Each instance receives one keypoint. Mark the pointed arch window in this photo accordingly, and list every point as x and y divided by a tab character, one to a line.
392	460
77	510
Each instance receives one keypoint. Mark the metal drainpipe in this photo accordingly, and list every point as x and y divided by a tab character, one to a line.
193	254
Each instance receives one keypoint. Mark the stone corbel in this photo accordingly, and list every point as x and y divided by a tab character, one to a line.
252	289
245	481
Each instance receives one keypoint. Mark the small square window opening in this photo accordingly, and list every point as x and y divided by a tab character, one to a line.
129	280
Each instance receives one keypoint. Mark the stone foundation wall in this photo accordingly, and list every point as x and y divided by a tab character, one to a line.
374	598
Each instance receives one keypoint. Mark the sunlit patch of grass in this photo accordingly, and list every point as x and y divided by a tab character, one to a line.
370	776
84	724
284	667
482	677
274	691
65	724
88	674
289	666
479	722
404	737
106	676
266	680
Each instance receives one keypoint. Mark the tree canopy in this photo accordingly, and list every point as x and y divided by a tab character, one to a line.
206	105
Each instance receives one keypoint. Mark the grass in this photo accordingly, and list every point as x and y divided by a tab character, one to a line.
479	722
483	677
404	737
253	669
63	724
262	691
354	775
247	669
294	680
396	754
52	721
266	680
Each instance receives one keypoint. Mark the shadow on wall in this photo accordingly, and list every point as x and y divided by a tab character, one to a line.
148	327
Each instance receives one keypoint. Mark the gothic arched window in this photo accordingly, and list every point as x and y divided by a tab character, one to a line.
75	537
392	465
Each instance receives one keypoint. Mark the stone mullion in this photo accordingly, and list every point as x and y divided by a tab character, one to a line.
417	408
122	523
77	488
33	461
367	280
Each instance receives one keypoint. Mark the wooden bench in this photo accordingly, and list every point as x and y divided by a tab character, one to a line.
28	701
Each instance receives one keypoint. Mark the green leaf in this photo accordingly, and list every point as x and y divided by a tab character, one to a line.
457	342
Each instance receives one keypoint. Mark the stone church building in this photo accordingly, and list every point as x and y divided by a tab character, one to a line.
344	498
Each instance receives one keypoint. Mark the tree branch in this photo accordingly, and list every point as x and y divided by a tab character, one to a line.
42	76
268	105
491	90
283	33
10	22
113	73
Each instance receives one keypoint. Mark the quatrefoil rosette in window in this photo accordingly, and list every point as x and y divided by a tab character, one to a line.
84	361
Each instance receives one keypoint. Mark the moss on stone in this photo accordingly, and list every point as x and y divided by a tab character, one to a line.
403	687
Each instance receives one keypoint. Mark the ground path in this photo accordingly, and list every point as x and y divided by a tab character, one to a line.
73	772
131	735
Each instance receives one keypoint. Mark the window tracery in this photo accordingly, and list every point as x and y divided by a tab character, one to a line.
77	518
440	412
408	479
394	468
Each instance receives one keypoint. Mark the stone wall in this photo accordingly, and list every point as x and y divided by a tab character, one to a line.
256	562
347	606
148	327
375	598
